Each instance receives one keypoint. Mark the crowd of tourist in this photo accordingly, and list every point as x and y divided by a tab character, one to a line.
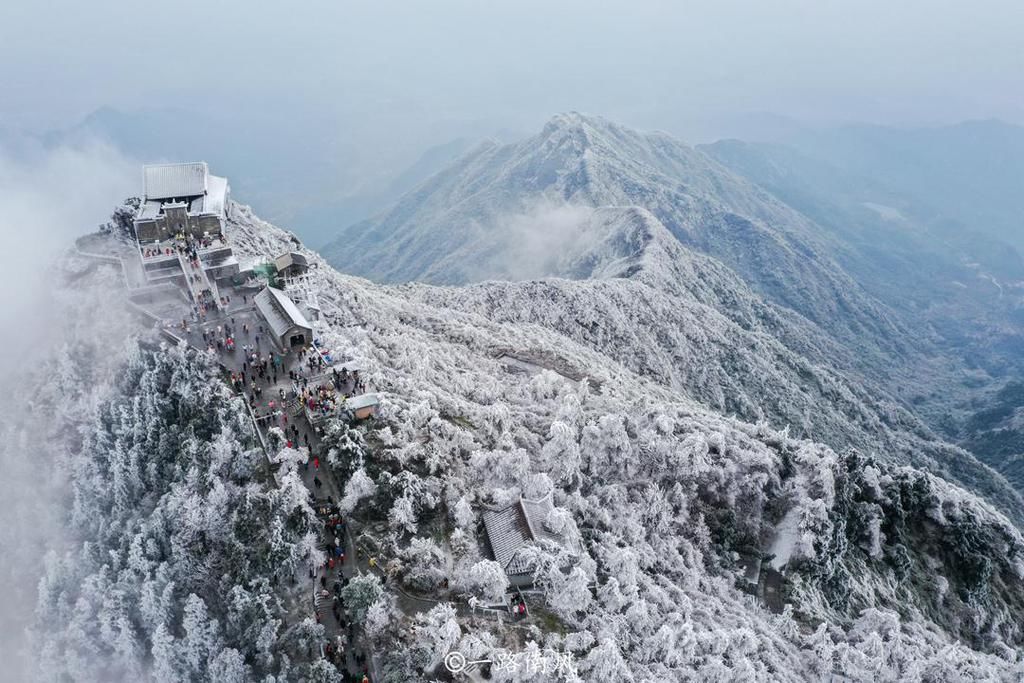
332	580
343	378
253	367
182	243
188	246
322	400
153	252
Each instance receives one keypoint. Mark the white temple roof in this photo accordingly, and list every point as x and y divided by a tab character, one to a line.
280	312
170	181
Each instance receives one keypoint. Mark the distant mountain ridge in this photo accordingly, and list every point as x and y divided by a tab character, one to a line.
587	199
945	274
443	229
970	172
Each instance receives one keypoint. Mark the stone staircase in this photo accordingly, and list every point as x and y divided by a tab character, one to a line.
204	283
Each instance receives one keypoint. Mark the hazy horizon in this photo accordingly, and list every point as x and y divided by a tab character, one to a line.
650	64
316	112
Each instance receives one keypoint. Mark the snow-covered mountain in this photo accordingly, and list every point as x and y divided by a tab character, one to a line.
708	547
520	211
684	272
448	229
503	389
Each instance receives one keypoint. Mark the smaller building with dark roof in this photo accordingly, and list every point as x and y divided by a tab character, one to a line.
514	528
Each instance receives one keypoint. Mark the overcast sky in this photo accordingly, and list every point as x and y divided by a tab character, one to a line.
314	108
645	62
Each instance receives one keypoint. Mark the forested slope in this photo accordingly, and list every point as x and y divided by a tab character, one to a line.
182	554
177	560
889	572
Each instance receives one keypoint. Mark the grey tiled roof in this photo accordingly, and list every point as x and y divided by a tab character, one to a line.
290	258
512	528
149	210
190	183
279	311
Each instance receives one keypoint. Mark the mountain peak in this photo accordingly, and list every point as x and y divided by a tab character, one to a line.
575	124
575	119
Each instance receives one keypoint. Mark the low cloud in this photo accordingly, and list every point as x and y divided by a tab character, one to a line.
533	242
47	198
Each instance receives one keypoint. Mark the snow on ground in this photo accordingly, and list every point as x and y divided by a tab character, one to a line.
670	501
786	536
651	479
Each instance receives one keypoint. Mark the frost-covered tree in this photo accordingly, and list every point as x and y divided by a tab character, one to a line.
344	446
425	565
123	218
605	663
379	617
358	487
487	581
360	593
179	552
465	517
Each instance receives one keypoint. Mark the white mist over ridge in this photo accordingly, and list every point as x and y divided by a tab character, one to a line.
65	344
530	243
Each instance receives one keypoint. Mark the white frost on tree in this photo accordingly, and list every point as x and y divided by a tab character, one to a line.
359	487
486	580
465	517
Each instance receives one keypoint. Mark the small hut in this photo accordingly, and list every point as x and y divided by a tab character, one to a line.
363	406
512	528
291	264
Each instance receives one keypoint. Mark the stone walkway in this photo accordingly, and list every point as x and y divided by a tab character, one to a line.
292	421
240	312
177	321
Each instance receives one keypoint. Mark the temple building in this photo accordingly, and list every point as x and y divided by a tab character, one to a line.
181	199
512	529
288	327
181	217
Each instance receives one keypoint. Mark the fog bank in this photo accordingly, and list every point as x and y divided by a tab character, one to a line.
47	198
